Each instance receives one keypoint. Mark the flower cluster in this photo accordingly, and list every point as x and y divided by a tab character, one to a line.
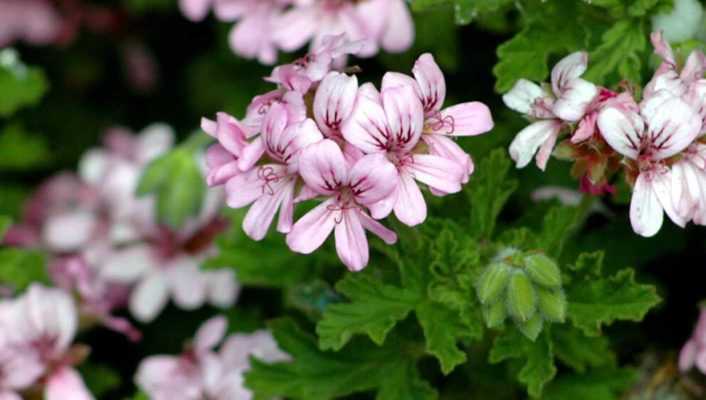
36	352
361	150
201	371
657	141
265	26
106	245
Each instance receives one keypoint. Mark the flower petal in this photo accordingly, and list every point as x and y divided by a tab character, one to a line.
671	123
466	119
530	139
311	231
432	84
367	127
66	383
186	283
334	102
623	129
210	333
323	167
447	148
568	70
646	212
575	99
405	116
399	33
149	297
523	96
128	264
438	172
251	154
387	235
410	207
260	215
373	178
351	243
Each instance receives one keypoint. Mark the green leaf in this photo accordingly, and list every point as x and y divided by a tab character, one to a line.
178	184
527	53
20	268
559	225
538	368
5	223
20	86
374	309
579	351
318	375
601	384
595	300
442	327
100	379
620	54
490	191
20	150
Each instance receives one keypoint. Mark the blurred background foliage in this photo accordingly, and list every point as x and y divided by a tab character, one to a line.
56	102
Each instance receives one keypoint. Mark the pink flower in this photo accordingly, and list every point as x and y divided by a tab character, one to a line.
201	372
383	23
442	125
222	158
664	126
37	331
32	21
253	34
694	351
271	187
570	100
391	123
195	10
348	189
689	184
333	103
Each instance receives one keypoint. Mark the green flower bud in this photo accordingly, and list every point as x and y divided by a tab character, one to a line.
552	304
521	298
494	314
492	282
543	270
531	328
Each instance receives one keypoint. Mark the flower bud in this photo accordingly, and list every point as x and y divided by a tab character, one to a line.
492	282
531	328
521	298
494	314
543	270
552	304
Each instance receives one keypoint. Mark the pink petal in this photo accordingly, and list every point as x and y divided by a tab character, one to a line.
399	33
437	172
223	288
373	178
405	116
323	167
186	283
447	148
128	264
672	124
311	231
251	37
50	313
432	83
586	128
69	231
694	67
260	215
410	207
367	127
466	119
523	96
545	151
155	140
251	154
622	129
230	133
650	199
195	10
662	48
392	79
567	70
245	188
387	235
334	102
384	207
210	333
149	297
529	140
351	243
295	27
64	384
221	165
286	211
576	97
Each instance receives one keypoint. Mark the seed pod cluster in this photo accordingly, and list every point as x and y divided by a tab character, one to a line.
529	292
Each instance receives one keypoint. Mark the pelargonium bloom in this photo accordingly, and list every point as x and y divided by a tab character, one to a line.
383	23
391	123
569	100
271	187
348	189
442	125
693	354
32	21
203	372
36	334
663	127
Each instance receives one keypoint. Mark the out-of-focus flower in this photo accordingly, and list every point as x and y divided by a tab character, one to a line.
36	334
202	371
693	354
682	22
265	26
35	22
